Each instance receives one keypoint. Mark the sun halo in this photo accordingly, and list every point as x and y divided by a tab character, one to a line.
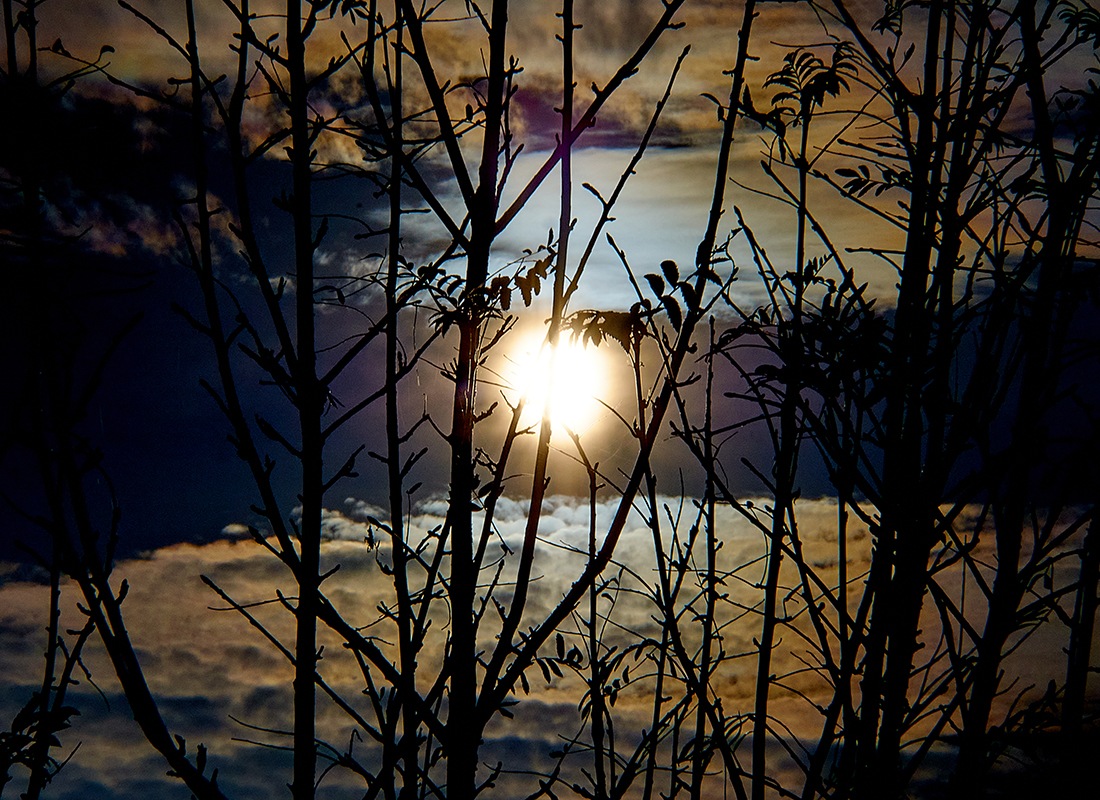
571	384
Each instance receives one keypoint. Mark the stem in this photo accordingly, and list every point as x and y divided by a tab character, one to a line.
310	407
463	731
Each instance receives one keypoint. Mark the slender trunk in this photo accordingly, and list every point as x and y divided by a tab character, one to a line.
407	742
9	39
658	703
1080	642
463	730
1039	379
29	22
596	676
705	252
310	401
767	632
44	730
903	539
702	751
790	343
462	741
52	403
842	709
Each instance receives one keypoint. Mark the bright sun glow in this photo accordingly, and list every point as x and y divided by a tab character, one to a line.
578	379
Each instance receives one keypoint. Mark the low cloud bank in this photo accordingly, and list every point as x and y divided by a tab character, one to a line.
210	667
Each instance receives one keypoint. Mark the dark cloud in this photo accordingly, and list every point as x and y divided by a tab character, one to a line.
17	635
195	716
265	706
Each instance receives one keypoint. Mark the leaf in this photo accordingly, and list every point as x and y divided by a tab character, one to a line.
672	273
27	715
656	284
691	297
721	108
526	287
675	316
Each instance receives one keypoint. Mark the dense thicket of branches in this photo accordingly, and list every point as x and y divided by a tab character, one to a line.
954	420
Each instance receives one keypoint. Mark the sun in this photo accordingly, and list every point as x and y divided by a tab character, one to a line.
571	382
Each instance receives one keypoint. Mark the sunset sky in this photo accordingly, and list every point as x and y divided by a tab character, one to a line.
123	163
120	164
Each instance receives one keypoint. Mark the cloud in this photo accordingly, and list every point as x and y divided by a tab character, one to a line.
335	526
208	665
661	215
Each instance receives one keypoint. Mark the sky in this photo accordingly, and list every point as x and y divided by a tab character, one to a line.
119	164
